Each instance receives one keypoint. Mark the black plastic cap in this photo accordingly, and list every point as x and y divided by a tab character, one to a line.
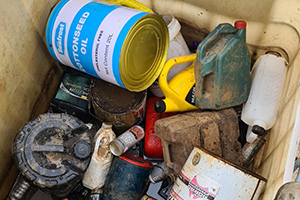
82	149
258	130
160	106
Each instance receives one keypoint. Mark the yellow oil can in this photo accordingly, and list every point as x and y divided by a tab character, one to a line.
180	91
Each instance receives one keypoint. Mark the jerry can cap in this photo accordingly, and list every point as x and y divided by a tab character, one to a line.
240	25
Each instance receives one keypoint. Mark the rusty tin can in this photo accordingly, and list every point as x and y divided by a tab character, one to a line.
122	108
206	176
126	140
128	178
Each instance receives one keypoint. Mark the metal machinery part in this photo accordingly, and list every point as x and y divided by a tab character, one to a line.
53	151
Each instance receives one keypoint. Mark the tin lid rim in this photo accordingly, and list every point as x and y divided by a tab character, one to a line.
129	158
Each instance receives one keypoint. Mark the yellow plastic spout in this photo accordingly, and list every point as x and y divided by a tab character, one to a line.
175	101
131	4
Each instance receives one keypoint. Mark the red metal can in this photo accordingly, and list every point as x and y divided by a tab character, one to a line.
153	147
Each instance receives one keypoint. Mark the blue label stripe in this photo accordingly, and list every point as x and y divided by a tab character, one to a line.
50	24
119	44
96	13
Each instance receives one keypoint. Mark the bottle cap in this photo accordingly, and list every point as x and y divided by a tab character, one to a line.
160	106
240	25
82	149
258	130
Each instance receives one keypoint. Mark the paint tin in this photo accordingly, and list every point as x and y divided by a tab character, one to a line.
122	108
127	179
206	176
120	45
126	140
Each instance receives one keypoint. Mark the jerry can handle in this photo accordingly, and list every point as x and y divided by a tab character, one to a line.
220	30
131	4
163	82
167	155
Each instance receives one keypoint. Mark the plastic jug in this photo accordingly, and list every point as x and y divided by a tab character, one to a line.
222	68
177	48
95	175
180	91
261	108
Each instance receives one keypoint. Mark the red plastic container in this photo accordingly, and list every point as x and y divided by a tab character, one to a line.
153	147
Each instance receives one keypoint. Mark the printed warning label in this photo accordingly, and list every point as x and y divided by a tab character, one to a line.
198	187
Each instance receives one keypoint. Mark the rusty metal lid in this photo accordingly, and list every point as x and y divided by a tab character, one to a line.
53	151
114	99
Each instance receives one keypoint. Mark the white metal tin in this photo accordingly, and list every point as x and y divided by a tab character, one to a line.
206	176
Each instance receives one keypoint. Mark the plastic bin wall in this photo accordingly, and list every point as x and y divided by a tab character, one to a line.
28	75
271	25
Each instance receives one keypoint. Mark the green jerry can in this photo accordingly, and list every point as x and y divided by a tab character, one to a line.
222	68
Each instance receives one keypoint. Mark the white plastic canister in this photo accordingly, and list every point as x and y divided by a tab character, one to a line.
177	48
267	80
95	176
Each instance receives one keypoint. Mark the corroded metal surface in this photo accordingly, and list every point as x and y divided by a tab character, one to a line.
117	105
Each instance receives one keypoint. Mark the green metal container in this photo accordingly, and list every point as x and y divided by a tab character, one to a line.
222	68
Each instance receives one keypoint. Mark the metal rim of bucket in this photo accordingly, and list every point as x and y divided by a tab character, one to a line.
135	79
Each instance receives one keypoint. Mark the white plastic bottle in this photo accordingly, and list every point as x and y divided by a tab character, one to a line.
267	80
95	176
177	48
